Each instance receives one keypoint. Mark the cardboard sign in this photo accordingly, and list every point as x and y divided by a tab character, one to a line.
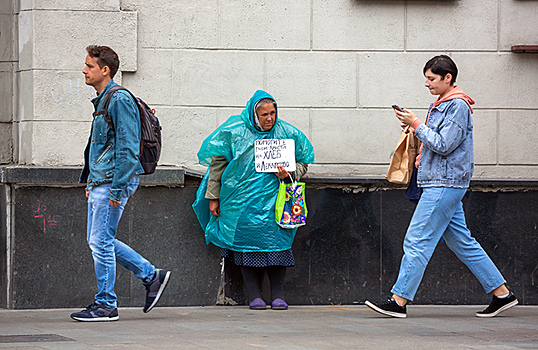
269	153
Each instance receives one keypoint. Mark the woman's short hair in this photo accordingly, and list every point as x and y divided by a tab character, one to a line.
105	57
442	65
264	101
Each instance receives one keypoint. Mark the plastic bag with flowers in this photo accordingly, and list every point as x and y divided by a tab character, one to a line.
290	207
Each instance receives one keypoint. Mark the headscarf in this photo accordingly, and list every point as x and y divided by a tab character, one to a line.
247	198
255	116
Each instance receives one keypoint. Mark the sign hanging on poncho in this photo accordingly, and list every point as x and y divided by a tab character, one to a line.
270	153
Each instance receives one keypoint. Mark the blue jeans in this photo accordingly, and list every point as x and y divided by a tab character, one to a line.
439	213
106	250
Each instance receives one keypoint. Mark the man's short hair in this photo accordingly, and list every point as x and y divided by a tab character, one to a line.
105	57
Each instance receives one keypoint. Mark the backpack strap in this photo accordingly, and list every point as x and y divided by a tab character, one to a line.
106	103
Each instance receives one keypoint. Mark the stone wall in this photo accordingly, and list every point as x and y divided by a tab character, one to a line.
335	68
8	25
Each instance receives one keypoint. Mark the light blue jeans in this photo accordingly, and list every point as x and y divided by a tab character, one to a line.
106	250
439	213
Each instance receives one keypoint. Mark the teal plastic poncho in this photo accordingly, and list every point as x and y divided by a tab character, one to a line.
247	198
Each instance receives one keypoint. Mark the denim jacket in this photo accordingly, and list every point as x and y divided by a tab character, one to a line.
447	158
113	156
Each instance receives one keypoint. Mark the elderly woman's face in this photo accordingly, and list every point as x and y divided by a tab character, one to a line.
266	116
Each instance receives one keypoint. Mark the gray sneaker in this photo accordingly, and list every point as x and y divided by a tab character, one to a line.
155	288
96	313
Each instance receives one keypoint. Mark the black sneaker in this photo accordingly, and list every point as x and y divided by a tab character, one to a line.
155	288
498	305
389	308
95	313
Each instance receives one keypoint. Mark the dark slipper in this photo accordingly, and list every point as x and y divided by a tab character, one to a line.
279	304
257	304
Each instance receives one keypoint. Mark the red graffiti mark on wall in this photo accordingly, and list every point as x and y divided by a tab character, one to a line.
40	213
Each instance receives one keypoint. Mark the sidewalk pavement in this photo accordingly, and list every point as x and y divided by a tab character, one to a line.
299	328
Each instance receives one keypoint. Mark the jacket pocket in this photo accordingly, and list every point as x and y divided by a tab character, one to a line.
103	154
99	130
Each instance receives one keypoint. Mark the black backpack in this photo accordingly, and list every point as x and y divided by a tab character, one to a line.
150	140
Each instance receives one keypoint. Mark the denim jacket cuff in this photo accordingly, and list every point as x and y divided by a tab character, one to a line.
416	124
115	195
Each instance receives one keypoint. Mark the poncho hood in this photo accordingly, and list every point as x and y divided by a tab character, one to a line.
250	115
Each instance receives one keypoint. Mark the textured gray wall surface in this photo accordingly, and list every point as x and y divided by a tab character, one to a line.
335	67
349	251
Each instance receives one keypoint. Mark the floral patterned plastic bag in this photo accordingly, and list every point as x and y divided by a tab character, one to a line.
290	207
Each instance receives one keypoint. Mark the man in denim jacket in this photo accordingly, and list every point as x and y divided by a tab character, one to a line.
111	173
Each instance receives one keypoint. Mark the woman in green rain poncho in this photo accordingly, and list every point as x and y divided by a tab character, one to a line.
236	205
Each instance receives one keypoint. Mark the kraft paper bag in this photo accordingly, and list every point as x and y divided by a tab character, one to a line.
403	159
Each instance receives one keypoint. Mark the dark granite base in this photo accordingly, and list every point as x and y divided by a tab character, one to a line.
53	267
4	223
350	250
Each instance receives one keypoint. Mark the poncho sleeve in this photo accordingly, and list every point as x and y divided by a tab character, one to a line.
220	142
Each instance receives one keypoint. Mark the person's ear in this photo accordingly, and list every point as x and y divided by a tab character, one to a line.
448	77
105	70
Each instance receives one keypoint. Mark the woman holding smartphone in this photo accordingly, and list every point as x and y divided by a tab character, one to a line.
445	165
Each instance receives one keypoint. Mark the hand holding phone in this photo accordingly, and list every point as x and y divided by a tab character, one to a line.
398	108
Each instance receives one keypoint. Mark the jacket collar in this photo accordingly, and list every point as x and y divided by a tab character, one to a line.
96	100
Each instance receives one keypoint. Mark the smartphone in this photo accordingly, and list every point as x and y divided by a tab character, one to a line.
398	108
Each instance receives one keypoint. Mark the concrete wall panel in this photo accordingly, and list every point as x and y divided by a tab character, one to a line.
25	142
26	101
177	23
71	32
499	80
6	145
313	79
184	129
358	25
517	23
224	113
517	137
385	79
153	82
6	37
265	24
61	95
300	118
452	25
363	170
505	172
213	78
5	7
49	145
26	41
485	137
210	57
6	93
94	5
359	138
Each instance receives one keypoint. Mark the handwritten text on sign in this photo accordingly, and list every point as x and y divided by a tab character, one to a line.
269	153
